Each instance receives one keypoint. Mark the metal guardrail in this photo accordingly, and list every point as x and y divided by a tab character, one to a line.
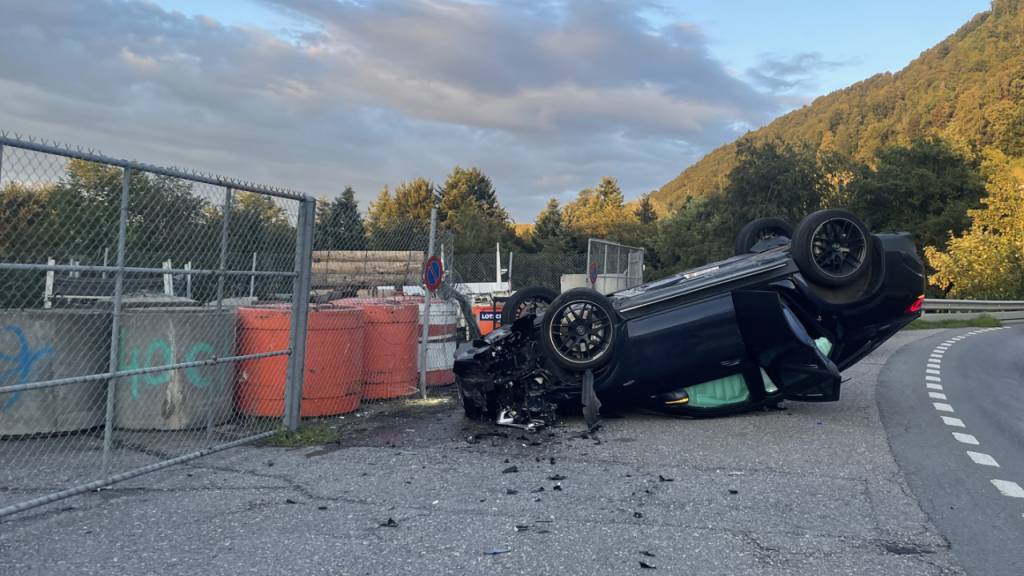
968	309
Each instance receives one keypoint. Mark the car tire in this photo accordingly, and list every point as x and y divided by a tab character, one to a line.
761	229
832	248
569	323
526	301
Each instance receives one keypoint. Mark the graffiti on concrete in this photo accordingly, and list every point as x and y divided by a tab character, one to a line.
20	364
159	353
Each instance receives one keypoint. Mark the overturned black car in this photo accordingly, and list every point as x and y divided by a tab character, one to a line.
779	320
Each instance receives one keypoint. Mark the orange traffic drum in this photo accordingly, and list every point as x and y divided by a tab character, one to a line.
334	361
389	346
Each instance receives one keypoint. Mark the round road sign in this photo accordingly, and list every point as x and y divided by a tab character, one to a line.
433	273
592	274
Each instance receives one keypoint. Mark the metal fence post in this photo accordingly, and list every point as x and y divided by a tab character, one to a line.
115	326
300	313
1	163
224	231
427	297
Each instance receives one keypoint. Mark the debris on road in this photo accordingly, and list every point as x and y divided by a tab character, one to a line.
510	470
389	524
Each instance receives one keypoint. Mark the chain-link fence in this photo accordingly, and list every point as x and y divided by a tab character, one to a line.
149	316
125	316
612	266
520	269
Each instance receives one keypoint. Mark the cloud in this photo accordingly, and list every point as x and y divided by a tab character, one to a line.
783	74
545	99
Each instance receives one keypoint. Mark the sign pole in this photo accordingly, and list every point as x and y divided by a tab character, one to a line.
433	271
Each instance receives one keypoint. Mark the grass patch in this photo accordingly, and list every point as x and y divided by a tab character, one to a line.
982	321
310	434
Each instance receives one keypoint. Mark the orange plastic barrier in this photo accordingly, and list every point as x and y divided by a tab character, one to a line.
389	346
334	361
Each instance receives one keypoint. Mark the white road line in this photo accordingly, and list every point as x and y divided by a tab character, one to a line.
942	407
937	395
965	438
1007	488
934	366
933	379
933	386
950	421
935	359
938	352
958	338
983	459
931	371
943	347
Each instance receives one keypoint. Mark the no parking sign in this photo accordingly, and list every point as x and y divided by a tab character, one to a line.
433	273
592	274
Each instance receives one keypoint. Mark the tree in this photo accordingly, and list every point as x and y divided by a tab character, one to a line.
401	221
987	261
414	199
773	179
600	213
469	208
339	225
549	222
925	188
473	185
645	210
693	235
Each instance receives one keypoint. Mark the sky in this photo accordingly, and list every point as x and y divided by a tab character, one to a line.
545	97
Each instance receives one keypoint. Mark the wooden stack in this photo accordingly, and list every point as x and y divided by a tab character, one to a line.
366	268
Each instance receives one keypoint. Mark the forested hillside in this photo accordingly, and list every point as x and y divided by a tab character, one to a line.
968	90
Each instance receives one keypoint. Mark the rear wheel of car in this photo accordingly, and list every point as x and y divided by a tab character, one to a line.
579	330
832	247
761	229
533	300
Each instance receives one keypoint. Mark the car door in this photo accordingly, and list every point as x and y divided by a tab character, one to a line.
776	341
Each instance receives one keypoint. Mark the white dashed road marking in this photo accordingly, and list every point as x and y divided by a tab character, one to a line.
933	369
1007	488
965	438
983	459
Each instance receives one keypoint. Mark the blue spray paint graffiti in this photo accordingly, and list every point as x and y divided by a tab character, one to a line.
156	353
24	360
159	353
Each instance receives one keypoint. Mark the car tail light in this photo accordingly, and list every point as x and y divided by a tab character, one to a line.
915	306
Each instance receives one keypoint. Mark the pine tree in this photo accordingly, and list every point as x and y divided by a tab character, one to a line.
645	210
339	225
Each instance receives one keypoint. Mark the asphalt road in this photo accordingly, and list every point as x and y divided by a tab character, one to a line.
953	407
813	489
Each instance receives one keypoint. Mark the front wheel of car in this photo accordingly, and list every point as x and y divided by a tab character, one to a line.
761	229
579	330
832	248
533	300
